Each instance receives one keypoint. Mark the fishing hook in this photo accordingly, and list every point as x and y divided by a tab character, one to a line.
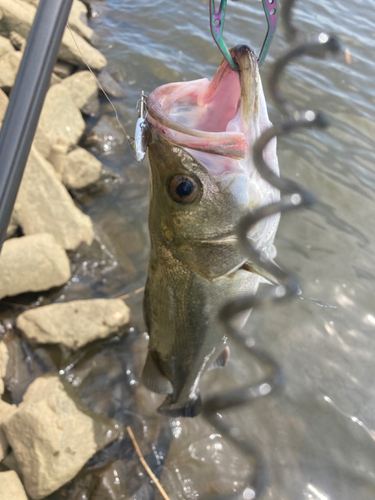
293	197
217	18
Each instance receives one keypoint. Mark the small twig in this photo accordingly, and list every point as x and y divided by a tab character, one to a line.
136	292
145	465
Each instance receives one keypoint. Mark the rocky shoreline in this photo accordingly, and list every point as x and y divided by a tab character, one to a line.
47	438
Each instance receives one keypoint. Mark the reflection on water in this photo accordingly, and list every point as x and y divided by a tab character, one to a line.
317	436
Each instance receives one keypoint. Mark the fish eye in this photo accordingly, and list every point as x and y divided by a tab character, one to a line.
183	189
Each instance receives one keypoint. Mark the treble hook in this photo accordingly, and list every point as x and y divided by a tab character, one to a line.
217	27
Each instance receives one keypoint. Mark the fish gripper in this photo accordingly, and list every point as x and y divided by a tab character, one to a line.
292	197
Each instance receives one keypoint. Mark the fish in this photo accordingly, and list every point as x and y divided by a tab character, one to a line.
202	181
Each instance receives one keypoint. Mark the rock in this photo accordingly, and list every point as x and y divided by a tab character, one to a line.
6	411
12	227
59	158
78	20
75	50
60	117
18	16
75	323
4	358
9	65
5	46
106	137
32	264
43	205
55	79
3	104
77	17
18	41
11	487
62	69
42	143
81	170
110	85
53	436
82	87
11	462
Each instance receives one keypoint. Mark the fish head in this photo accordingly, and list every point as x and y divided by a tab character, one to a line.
203	179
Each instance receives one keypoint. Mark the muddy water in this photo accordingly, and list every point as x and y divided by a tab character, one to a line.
317	436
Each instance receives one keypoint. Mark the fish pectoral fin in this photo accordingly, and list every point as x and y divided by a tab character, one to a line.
253	268
221	360
154	379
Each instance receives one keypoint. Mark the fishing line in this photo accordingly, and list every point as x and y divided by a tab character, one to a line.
129	139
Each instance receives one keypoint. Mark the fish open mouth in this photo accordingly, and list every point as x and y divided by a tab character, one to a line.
217	116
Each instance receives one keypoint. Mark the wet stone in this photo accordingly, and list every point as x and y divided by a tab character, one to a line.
9	64
82	87
32	263
11	487
81	170
75	323
110	84
53	435
106	137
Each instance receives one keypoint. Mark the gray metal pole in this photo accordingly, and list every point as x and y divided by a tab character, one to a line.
27	99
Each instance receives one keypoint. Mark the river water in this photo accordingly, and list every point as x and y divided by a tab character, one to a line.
317	435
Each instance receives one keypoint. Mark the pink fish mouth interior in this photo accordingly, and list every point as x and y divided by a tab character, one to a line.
206	108
202	115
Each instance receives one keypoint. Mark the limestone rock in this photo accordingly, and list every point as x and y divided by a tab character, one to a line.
9	64
5	46
81	170
18	16
42	142
52	436
43	205
55	79
75	323
77	16
31	264
6	411
60	117
11	487
82	87
110	85
63	69
4	358
12	227
3	104
18	41
78	20
73	47
58	157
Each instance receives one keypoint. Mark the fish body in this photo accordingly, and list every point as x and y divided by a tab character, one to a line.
202	182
